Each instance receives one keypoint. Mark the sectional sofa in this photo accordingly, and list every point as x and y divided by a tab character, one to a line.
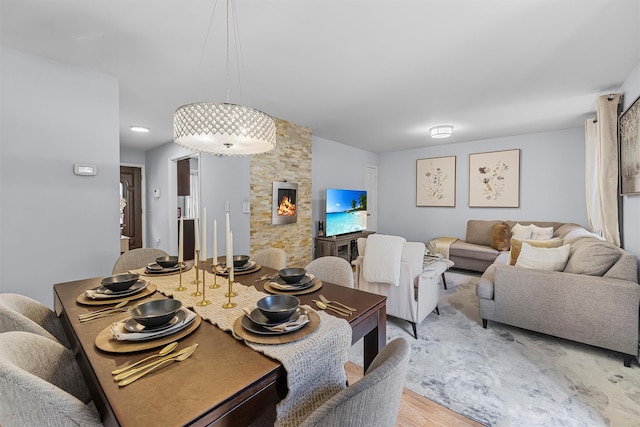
590	296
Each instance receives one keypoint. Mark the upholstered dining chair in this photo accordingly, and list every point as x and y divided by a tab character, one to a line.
374	400
416	293
34	311
11	320
41	384
332	269
136	258
275	258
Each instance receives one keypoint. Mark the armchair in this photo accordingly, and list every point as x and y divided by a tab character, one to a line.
416	295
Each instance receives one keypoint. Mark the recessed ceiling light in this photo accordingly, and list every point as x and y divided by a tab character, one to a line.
139	129
441	131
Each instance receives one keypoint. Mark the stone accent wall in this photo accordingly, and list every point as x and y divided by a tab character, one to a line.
290	161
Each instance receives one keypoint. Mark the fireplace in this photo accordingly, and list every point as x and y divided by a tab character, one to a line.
285	199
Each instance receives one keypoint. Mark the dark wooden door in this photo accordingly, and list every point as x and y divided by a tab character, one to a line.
131	182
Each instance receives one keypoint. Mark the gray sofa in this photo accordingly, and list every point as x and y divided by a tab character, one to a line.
595	300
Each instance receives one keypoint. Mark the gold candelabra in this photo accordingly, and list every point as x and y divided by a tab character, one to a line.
180	288
197	262
214	267
230	293
204	286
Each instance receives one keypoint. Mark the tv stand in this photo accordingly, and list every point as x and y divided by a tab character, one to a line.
343	245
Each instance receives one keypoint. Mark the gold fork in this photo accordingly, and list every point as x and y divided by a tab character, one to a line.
184	356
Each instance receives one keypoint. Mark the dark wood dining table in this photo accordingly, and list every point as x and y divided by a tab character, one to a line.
224	383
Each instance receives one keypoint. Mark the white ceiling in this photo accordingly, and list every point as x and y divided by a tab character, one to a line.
371	74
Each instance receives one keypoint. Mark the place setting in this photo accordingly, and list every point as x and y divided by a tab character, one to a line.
276	319
116	289
292	281
242	264
149	324
166	265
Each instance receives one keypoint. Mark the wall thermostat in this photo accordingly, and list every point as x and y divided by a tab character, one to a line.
79	169
156	193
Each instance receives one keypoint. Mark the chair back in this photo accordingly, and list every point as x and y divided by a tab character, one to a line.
136	258
275	258
11	321
332	269
41	384
36	312
374	400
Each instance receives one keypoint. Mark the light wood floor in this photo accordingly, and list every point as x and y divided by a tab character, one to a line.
418	411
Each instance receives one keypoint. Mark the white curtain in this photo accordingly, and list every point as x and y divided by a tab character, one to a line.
601	156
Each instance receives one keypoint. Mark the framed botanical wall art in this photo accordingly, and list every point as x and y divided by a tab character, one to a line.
494	179
629	128
436	181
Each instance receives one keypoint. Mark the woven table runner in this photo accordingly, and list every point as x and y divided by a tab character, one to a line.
314	364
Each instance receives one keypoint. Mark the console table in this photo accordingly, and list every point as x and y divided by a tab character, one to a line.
344	245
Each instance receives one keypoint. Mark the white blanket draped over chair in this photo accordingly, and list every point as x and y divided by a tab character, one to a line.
416	294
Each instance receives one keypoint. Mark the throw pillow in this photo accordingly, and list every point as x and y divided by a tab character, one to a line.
541	233
500	237
550	259
521	232
516	247
592	257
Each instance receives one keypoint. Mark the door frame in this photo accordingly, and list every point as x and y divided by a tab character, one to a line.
172	187
143	197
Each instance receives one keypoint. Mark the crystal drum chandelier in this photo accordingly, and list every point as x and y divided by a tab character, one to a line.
224	129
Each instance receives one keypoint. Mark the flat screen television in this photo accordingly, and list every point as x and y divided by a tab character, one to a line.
346	211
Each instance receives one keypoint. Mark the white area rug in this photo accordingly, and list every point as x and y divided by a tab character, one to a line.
506	376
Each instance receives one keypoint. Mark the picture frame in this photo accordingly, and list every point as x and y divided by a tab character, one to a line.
436	181
629	148
494	179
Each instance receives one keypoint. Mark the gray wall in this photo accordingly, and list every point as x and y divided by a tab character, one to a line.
631	204
551	185
131	156
336	165
56	226
221	179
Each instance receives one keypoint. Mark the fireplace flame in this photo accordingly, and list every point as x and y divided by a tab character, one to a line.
286	207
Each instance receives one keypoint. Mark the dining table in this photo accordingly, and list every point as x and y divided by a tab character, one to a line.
224	383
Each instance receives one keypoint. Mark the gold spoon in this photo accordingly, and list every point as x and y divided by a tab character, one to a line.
103	310
324	306
326	301
166	350
134	371
184	356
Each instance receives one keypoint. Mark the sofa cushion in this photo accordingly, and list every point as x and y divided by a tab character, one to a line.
549	259
578	233
463	249
541	233
500	237
564	229
521	232
479	231
592	257
516	247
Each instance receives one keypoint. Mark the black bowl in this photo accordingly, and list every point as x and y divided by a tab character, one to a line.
120	282
292	275
156	313
240	260
167	261
278	308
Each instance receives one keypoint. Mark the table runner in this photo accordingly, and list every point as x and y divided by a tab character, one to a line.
314	364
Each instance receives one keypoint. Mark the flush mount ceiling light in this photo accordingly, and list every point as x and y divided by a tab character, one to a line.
441	131
224	129
141	129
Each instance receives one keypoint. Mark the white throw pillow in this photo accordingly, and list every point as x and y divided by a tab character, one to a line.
521	232
550	259
577	233
541	233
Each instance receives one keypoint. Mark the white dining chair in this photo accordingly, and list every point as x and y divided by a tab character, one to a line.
136	258
374	400
332	269
275	258
35	311
41	384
